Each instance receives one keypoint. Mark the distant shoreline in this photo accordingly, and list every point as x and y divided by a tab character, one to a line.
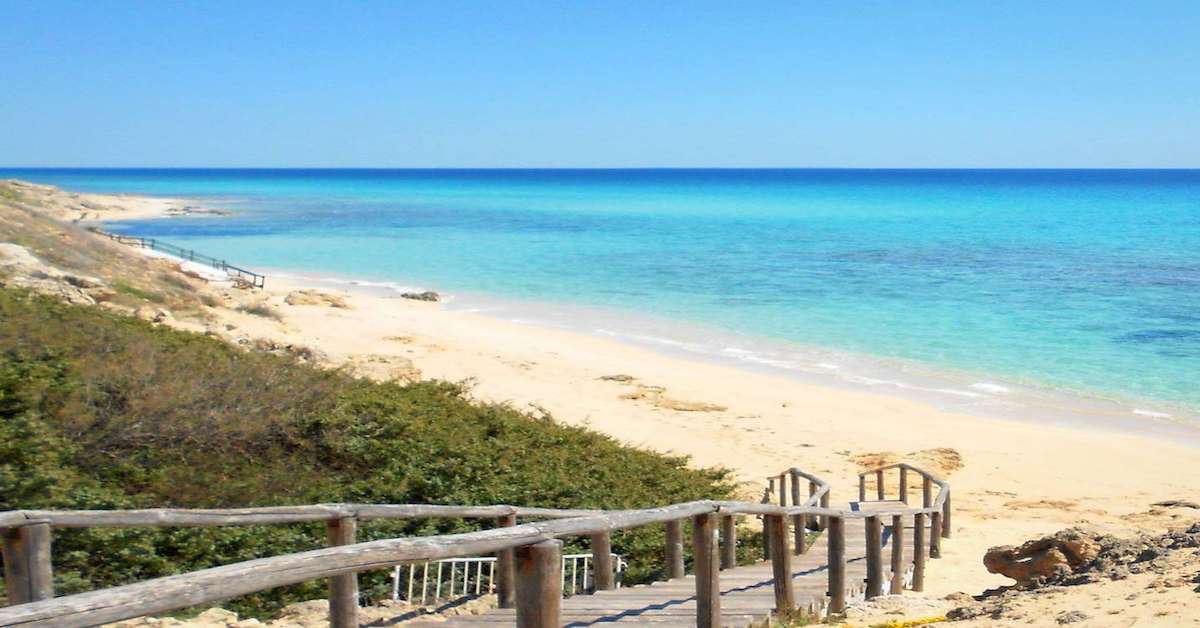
985	395
1041	476
980	393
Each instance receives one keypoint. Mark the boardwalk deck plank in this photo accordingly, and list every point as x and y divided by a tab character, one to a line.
747	594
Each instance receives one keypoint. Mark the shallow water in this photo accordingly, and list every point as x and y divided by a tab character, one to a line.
1083	283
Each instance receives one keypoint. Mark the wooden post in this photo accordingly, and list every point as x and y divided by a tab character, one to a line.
879	492
800	546
918	580
836	541
539	584
708	583
766	538
674	550
343	589
874	557
602	563
904	484
862	488
799	522
935	535
927	493
946	517
28	574
824	504
781	564
728	542
506	571
897	555
766	532
783	489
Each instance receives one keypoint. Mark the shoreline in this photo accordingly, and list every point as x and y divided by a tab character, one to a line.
980	393
1012	480
984	395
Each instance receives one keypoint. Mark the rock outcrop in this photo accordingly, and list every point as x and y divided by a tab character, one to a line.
1052	556
427	295
1074	557
21	269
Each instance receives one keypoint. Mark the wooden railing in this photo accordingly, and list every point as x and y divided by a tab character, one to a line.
528	555
934	507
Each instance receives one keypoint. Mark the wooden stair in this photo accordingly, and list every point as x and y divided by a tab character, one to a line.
747	594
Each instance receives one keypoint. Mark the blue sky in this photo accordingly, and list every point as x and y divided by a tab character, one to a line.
599	84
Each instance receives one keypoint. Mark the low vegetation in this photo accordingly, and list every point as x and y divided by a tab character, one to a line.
99	410
125	288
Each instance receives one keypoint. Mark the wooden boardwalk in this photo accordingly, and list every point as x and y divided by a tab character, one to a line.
747	593
845	562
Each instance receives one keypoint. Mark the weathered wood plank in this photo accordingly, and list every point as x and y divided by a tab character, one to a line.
874	547
539	584
781	564
918	579
28	575
218	583
728	542
602	561
674	549
935	535
343	589
898	566
835	534
506	570
708	573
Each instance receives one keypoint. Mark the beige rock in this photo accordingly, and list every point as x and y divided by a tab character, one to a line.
1060	553
314	297
153	314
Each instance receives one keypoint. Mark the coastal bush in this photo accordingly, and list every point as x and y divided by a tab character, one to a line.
104	411
124	287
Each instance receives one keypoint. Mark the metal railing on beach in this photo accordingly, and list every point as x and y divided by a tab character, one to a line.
476	575
241	275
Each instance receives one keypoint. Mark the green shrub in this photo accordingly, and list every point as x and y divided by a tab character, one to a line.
138	293
99	410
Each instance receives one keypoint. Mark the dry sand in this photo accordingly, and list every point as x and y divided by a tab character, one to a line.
1011	480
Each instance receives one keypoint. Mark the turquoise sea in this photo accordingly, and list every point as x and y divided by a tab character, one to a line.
1047	293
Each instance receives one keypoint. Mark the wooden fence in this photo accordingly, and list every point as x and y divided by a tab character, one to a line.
527	554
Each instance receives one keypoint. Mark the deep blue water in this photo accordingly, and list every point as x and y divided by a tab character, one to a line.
1087	281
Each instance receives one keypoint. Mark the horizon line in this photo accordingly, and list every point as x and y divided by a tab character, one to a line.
621	168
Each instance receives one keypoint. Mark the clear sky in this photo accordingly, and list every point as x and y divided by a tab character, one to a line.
600	83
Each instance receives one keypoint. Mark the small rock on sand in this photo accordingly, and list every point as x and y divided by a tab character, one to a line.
427	295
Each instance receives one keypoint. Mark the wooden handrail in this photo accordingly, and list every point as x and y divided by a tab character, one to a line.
218	583
345	558
943	486
937	509
182	517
